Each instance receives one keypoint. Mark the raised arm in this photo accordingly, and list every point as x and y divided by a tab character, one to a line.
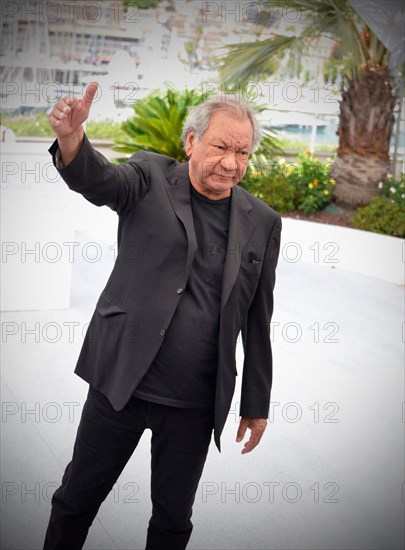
85	170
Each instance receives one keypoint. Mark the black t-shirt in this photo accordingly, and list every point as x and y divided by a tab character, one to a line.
183	373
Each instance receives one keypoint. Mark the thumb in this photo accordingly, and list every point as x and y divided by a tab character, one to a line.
242	430
89	94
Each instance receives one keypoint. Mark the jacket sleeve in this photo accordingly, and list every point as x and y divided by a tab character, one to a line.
258	361
119	186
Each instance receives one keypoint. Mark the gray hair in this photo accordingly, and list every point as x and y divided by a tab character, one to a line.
198	117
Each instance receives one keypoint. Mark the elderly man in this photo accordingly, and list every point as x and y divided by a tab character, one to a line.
195	267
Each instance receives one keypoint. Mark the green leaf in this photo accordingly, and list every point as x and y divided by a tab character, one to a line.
158	122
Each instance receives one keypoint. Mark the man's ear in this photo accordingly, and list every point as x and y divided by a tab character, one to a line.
189	143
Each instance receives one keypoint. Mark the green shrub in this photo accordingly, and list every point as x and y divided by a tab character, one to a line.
382	215
141	4
310	177
287	186
301	146
35	124
279	193
104	129
271	185
157	124
393	189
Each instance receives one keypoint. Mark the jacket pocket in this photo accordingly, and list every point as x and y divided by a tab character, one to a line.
107	306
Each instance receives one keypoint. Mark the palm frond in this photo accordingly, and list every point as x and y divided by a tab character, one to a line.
267	151
333	19
255	59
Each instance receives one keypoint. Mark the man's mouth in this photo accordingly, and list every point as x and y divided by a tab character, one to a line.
226	177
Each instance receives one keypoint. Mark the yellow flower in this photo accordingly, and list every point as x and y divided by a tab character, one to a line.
315	182
308	152
325	192
333	182
310	186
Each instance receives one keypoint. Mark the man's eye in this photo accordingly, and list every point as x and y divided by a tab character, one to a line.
221	147
243	153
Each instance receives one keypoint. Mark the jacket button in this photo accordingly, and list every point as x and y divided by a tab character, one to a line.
162	332
179	290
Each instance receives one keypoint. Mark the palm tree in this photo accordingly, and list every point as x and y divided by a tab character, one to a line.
368	95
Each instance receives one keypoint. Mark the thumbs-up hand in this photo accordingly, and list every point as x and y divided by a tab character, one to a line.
69	113
66	119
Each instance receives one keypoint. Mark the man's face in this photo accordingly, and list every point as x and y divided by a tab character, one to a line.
218	160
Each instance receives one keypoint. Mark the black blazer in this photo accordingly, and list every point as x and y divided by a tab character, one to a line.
156	247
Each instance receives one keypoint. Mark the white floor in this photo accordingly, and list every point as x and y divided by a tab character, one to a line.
329	472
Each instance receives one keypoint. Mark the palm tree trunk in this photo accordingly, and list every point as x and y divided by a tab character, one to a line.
365	130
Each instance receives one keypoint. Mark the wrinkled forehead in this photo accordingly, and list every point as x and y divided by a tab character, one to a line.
230	127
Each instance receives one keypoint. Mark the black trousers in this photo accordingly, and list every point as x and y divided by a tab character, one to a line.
104	443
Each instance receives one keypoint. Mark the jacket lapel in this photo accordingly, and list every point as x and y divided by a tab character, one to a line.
179	195
241	224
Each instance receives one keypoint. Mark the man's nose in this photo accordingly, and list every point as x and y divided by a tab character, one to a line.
229	161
